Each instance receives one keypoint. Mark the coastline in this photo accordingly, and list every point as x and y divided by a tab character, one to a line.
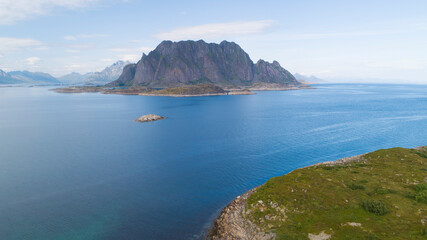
331	199
232	222
145	92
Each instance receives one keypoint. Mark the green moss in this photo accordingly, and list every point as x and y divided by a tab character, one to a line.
373	192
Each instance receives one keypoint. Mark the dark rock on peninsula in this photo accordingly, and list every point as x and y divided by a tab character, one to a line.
227	65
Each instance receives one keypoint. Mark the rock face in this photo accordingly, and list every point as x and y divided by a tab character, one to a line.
174	64
232	225
149	118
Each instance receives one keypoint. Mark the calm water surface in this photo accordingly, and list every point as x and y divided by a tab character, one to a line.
76	166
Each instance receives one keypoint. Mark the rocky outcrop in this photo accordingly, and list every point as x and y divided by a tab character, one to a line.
149	118
232	224
174	64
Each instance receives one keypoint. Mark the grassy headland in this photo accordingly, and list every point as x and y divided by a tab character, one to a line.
382	195
379	195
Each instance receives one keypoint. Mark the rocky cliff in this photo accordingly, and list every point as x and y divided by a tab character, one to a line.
174	64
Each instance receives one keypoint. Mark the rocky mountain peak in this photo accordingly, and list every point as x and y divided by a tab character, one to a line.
173	64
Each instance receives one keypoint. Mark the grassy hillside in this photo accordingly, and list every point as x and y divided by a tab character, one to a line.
383	195
191	90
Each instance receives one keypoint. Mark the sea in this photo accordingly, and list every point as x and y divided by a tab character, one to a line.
77	166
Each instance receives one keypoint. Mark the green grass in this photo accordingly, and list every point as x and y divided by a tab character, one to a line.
386	193
191	90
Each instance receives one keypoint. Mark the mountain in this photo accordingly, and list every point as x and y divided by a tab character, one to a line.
97	78
174	64
109	74
5	78
23	77
308	79
74	78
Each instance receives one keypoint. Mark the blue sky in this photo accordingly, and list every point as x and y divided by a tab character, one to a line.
337	40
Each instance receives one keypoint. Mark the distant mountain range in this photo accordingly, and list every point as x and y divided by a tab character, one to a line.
93	78
107	75
226	65
26	77
308	79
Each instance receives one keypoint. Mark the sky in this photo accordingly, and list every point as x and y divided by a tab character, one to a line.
343	41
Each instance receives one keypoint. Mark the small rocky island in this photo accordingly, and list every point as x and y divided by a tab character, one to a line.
378	195
149	118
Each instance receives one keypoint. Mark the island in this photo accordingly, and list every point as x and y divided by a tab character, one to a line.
378	195
196	68
149	118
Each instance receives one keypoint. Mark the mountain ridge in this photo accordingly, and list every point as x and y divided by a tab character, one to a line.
175	64
107	75
26	77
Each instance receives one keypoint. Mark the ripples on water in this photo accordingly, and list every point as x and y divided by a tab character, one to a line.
76	166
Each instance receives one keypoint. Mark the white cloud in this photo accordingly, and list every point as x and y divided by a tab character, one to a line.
131	50
315	36
81	46
14	44
398	64
216	30
31	61
106	60
130	54
71	51
12	11
84	36
76	68
130	57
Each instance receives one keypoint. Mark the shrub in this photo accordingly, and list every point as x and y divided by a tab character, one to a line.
375	207
327	167
382	191
420	187
354	186
421	196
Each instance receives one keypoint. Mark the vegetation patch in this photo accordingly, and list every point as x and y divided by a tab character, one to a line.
354	186
375	207
191	90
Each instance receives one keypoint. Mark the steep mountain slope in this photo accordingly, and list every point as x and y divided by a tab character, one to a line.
226	64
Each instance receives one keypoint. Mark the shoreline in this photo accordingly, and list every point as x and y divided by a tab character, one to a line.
230	92
231	222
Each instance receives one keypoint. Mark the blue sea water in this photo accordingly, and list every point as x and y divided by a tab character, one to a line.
76	166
